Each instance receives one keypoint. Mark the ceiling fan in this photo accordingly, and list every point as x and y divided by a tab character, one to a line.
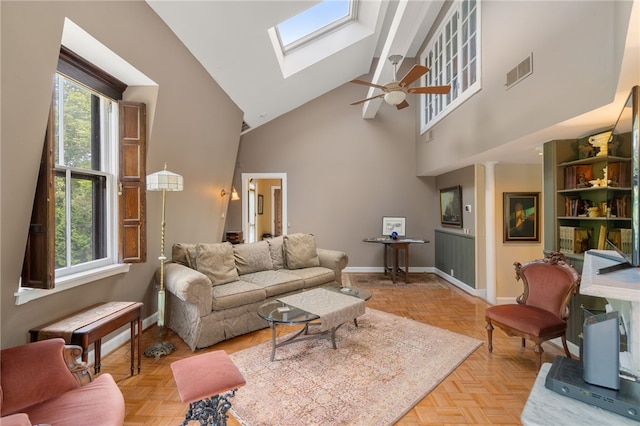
395	93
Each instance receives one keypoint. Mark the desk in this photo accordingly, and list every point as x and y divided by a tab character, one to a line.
545	407
395	246
108	318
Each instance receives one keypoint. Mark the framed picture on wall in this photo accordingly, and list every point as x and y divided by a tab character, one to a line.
397	224
521	216
451	206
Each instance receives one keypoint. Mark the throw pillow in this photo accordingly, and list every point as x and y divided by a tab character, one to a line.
276	252
184	254
300	251
216	262
252	257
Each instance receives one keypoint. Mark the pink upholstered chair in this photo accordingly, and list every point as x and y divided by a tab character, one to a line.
42	383
542	310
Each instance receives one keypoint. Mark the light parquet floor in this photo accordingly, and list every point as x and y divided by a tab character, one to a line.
485	389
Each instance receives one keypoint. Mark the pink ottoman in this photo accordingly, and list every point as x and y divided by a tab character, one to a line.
201	381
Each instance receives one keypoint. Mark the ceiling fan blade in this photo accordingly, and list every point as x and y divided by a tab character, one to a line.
434	90
414	73
367	99
402	105
366	83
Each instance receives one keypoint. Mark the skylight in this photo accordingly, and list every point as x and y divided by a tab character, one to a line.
315	22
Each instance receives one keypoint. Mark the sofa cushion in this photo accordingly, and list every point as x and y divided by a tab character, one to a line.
252	257
276	252
184	254
97	403
236	293
216	261
275	282
300	251
315	276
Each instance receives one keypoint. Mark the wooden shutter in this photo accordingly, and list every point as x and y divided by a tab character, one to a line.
132	183
38	270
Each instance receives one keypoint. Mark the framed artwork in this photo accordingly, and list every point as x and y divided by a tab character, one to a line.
451	206
260	204
521	216
390	224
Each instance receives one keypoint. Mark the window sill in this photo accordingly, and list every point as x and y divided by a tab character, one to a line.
25	295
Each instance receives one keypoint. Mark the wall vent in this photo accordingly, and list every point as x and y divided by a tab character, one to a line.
520	72
245	126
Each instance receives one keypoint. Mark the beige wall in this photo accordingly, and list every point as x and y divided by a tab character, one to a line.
576	66
345	173
514	178
195	130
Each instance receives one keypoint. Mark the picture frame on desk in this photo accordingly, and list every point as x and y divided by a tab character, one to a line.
451	206
521	216
394	223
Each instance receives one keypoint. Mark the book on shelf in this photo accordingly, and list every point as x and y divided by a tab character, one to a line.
619	174
621	238
574	239
619	206
577	176
573	206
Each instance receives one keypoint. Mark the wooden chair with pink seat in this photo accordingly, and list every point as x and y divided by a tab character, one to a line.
542	310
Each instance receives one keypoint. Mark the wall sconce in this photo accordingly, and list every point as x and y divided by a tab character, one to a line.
234	194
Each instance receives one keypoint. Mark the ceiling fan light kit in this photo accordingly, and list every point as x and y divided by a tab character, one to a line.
394	98
395	92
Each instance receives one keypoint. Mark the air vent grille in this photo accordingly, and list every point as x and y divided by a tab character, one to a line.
520	71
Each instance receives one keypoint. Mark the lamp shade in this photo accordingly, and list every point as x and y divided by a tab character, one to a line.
234	195
395	97
165	180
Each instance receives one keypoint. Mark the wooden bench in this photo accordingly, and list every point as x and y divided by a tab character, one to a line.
93	323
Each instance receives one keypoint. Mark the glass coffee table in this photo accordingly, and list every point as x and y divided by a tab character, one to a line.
276	312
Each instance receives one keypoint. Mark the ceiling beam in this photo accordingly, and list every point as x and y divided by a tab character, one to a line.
412	19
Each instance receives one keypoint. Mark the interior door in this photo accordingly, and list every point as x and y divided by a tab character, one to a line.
250	221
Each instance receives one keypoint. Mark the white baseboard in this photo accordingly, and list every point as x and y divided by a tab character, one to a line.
481	293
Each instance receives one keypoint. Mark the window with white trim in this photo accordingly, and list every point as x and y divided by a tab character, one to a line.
453	57
85	158
88	211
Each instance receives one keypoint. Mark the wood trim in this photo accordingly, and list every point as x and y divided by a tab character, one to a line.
79	69
132	183
38	267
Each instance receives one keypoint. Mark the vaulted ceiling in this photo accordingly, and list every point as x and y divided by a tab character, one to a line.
265	86
231	40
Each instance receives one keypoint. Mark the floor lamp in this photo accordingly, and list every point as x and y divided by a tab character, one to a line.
164	181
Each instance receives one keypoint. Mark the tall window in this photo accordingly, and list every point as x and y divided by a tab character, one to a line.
88	210
84	175
453	56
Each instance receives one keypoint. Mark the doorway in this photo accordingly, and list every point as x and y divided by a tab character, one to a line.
264	205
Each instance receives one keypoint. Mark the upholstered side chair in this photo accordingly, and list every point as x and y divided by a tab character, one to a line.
542	310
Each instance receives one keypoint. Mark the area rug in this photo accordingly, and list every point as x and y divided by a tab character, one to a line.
421	280
381	369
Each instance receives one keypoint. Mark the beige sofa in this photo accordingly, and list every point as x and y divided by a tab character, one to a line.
215	289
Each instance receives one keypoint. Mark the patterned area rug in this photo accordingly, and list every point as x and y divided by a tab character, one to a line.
381	369
380	280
